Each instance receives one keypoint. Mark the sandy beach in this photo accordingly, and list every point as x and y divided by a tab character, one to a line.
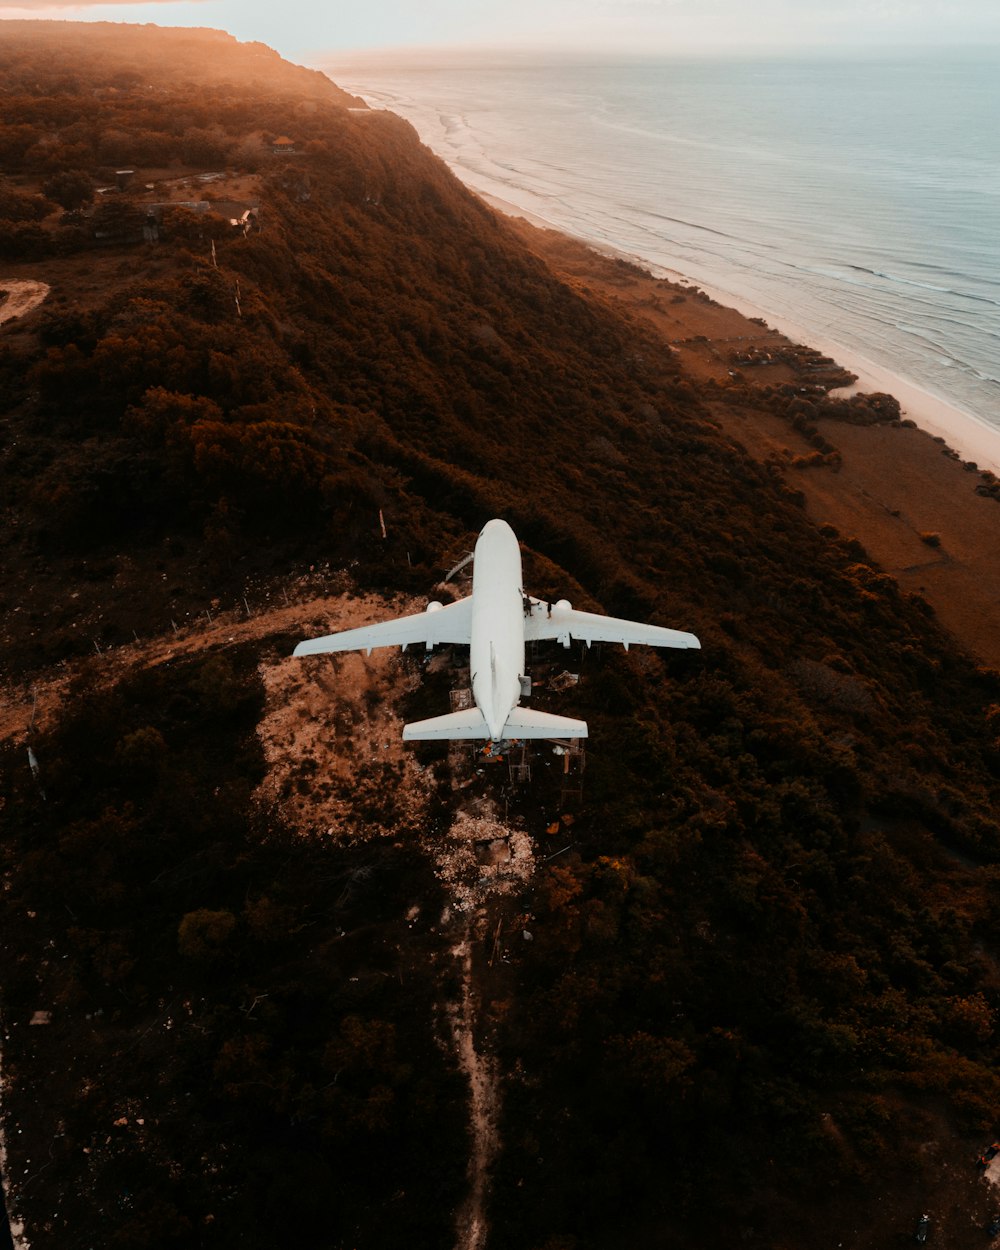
914	495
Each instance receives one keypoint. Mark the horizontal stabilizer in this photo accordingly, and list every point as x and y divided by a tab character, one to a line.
526	722
455	725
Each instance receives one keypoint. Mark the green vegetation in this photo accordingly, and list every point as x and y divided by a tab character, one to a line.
773	945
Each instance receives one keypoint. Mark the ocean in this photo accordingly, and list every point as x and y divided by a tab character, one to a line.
855	198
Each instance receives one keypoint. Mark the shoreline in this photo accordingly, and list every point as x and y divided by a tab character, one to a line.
965	433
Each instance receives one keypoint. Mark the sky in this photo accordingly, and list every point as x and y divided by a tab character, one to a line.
308	32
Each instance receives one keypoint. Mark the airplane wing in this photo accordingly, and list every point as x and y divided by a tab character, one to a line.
561	622
451	623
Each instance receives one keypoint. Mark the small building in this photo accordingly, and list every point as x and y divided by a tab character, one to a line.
123	177
283	146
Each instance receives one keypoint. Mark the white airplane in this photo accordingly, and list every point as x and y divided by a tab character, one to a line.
495	621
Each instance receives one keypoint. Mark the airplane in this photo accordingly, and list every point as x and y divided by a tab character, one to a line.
495	622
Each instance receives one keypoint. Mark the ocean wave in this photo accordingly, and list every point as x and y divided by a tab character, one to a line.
943	290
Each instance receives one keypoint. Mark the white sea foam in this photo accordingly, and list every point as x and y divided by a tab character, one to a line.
858	202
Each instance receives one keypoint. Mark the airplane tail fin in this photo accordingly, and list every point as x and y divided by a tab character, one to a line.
455	725
526	722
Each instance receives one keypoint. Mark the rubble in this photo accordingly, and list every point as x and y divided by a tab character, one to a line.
480	856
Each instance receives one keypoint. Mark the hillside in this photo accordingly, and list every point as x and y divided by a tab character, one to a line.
758	999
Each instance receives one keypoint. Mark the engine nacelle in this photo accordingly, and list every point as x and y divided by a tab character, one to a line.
563	605
434	606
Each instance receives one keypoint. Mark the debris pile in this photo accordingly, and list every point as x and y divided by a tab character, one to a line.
480	856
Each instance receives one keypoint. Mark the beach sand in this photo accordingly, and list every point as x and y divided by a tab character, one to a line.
907	493
971	437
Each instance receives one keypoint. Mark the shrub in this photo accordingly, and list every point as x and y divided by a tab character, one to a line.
204	934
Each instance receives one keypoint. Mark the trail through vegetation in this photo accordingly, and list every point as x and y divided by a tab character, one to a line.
480	1070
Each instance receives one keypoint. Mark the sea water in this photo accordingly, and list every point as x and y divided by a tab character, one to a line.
857	198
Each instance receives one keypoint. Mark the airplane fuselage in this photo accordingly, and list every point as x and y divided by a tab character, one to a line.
496	654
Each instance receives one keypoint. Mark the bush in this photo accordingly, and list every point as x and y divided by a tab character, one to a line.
204	934
71	189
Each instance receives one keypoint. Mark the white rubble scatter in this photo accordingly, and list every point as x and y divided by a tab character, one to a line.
480	857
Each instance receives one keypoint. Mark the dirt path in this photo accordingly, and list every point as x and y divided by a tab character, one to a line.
19	296
484	1087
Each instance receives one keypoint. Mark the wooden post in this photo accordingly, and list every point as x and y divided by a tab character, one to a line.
496	942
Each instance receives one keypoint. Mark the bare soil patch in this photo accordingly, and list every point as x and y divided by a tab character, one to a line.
18	296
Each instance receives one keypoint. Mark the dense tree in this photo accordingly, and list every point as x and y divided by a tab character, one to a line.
71	188
16	206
